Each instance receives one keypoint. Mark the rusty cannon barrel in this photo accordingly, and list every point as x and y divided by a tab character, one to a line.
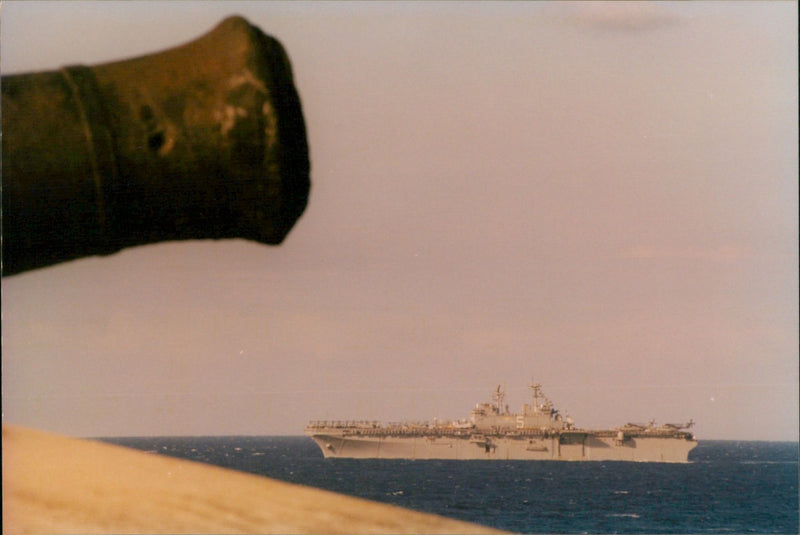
202	141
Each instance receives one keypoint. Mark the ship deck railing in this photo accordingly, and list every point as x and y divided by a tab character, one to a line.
344	424
376	429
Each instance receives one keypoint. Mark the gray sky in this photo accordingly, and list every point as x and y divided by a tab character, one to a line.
602	196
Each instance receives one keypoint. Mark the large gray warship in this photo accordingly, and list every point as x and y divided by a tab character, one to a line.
538	432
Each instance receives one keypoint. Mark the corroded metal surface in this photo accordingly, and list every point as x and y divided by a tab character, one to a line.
202	141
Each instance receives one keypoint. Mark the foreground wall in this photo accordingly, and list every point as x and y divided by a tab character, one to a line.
54	484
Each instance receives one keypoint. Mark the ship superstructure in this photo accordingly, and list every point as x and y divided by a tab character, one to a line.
537	432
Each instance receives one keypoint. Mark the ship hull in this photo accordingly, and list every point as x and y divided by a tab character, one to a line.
578	446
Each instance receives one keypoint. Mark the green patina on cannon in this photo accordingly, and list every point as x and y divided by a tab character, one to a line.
202	141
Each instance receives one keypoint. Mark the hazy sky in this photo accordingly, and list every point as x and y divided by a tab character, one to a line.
602	196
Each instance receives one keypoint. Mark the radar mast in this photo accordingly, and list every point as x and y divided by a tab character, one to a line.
499	396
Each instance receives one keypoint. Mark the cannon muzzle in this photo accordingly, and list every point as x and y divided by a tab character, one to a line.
202	141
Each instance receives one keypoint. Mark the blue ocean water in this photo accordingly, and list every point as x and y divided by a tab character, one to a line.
728	487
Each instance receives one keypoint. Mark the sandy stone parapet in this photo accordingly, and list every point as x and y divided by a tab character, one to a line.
55	484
